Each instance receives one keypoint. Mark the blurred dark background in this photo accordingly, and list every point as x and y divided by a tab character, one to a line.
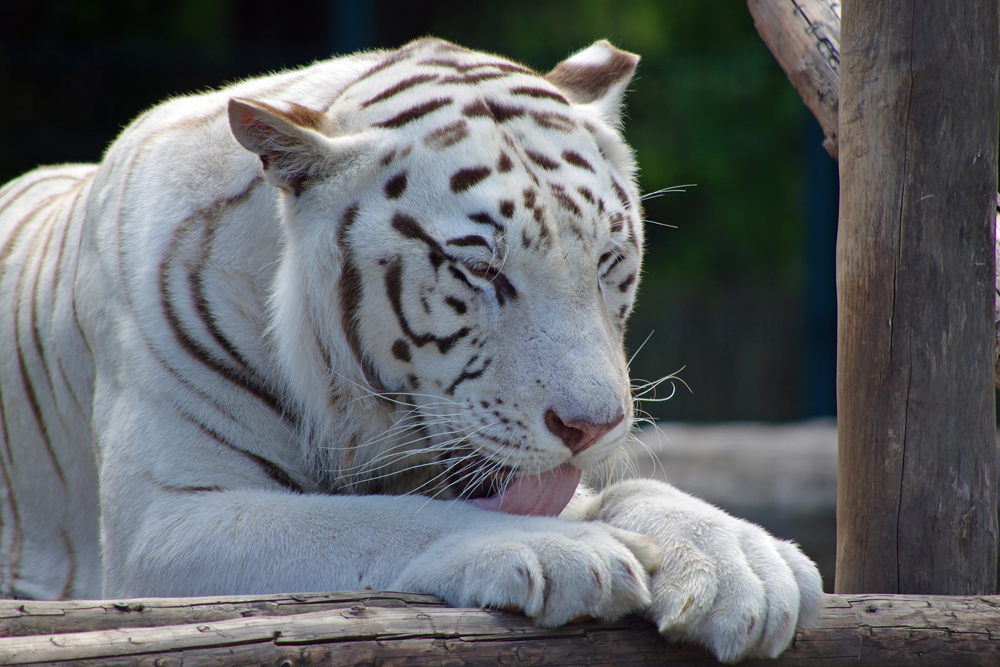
740	294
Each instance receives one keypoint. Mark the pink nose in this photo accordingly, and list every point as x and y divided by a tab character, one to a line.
579	434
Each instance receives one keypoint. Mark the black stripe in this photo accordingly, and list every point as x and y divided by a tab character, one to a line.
468	241
191	489
457	304
553	121
17	542
20	193
78	244
620	191
465	178
56	279
618	260
401	350
462	278
458	67
26	383
577	160
67	590
465	375
399	87
396	186
36	335
414	113
250	378
243	378
156	354
504	164
446	136
542	161
539	93
485	219
15	233
350	294
564	200
394	290
474	78
396	57
411	229
503	289
269	468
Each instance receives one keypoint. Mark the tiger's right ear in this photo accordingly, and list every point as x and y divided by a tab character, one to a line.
598	76
288	143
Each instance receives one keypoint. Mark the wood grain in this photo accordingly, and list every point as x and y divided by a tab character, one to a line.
385	628
915	276
804	37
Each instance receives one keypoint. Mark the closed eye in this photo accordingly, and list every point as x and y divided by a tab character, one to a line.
483	270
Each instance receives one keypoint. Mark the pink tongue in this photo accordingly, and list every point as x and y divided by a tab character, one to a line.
534	495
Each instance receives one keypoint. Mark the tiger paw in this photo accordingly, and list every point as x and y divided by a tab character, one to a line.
554	572
722	582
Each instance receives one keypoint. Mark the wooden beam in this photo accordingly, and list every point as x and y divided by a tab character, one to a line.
373	627
804	37
915	270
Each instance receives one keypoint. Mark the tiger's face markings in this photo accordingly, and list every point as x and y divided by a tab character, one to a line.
446	136
484	278
396	186
465	178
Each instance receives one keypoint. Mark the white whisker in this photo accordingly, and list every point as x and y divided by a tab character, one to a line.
665	191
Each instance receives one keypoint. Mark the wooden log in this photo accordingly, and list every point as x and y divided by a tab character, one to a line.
374	627
915	265
804	37
23	617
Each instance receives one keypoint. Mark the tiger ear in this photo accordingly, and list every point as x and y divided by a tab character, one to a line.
598	76
288	143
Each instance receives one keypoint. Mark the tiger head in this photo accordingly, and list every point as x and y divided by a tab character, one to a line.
463	245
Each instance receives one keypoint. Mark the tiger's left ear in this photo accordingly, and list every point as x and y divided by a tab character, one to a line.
288	143
598	76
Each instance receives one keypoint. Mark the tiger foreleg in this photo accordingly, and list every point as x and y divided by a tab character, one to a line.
253	541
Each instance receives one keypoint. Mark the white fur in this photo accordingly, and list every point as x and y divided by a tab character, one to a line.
209	299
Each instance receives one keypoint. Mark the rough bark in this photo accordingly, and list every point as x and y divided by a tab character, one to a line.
915	269
804	37
372	627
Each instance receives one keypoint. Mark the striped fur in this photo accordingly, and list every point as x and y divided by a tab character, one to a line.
269	339
183	328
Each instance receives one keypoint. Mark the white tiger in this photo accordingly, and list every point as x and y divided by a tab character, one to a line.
356	324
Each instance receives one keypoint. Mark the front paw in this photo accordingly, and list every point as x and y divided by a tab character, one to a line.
722	582
552	570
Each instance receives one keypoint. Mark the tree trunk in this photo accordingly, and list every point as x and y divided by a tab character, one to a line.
373	627
916	507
